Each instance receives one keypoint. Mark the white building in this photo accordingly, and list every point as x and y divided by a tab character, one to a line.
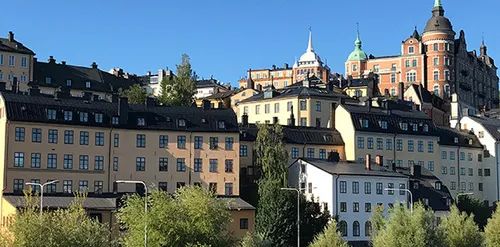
349	190
151	82
205	88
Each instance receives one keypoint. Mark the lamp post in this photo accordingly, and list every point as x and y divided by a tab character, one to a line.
407	190
145	204
298	212
41	191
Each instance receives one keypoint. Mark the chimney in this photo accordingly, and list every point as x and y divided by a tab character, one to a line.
379	160
333	157
292	117
259	88
14	85
63	62
123	110
286	66
369	104
368	161
401	91
94	65
11	36
52	60
95	97
244	119
332	115
416	170
87	96
2	86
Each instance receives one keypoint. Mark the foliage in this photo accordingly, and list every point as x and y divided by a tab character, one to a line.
330	237
460	230
479	209
62	227
135	94
406	229
254	240
312	220
492	229
271	154
179	90
191	217
377	220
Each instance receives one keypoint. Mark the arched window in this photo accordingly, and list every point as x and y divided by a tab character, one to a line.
355	228
436	90
368	228
343	228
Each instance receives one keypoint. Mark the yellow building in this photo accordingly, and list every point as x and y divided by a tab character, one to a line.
16	61
88	145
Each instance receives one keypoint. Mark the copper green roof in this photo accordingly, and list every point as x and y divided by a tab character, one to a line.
358	54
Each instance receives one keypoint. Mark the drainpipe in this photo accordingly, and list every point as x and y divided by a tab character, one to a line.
191	156
337	196
497	164
394	148
458	170
110	140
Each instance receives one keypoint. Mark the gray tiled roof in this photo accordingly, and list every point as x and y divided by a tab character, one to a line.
447	137
351	168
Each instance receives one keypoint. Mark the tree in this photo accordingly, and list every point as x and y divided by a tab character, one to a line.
272	156
179	90
378	220
253	239
330	237
312	220
492	229
473	206
135	94
190	217
460	230
62	227
405	229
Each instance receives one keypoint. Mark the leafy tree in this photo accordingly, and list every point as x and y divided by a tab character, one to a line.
492	229
312	220
253	239
191	217
405	229
62	227
473	206
272	156
378	220
135	94
330	237
460	230
179	90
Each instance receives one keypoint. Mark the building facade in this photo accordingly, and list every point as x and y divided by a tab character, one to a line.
16	61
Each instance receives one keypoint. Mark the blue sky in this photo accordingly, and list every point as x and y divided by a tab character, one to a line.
226	37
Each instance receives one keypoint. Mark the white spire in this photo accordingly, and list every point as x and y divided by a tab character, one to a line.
310	43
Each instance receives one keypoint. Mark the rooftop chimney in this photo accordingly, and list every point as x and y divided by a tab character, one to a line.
334	157
14	85
416	170
368	162
123	110
94	65
332	115
63	62
2	86
11	36
401	91
52	60
244	119
379	160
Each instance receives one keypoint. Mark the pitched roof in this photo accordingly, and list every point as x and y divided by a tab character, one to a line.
33	108
351	168
447	137
221	95
236	203
14	46
300	91
492	125
208	83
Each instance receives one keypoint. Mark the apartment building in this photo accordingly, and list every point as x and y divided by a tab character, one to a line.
16	61
88	145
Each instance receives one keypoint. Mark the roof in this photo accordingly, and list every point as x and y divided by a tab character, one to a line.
447	136
426	97
221	95
438	22
492	125
19	201
33	108
297	135
357	54
236	203
207	83
351	168
14	46
59	74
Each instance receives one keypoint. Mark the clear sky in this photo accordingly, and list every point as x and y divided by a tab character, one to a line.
226	37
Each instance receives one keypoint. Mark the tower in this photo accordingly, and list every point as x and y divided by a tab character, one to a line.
310	63
356	62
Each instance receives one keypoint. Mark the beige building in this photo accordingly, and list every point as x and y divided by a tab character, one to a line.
88	145
16	61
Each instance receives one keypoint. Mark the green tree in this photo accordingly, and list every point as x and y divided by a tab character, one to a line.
253	239
179	90
272	156
135	94
62	227
492	229
460	230
473	206
190	217
405	229
377	220
330	237
312	220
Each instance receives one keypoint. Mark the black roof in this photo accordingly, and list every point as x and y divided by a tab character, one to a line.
438	22
33	108
207	83
297	135
492	125
447	136
351	168
100	81
14	46
426	97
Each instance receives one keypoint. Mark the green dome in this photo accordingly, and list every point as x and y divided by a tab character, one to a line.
358	54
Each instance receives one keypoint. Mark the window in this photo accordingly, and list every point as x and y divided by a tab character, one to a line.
214	143
390	186
480	186
318	106
229	143
388	144
115	120
436	90
116	163
355	228
435	47
84	162
98	186
452	155
53	136
98	117
379	187
369	141
181	164
198	142
140	164
36	160
322	154
212	187
18	185
12	61
116	140
343	187
244	223
68	115
84	138
411	76
163	186
310	153
380	144
355	207
68	161
382	124
84	117
361	142
399	145
364	123
368	228
228	166
410	146
289	106
20	134
228	189
99	163
453	185
407	63
420	146
163	141
480	172
180	184
267	108
462	155
368	188
141	121
414	63
355	187
402	188
87	84
198	165
140	141
181	122
462	171
68	136
343	228
52	161
295	153
487	172
67	186
368	207
471	186
393	78
213	165
343	207
18	159
276	107
444	170
470	172
244	151
452	170
303	105
411	50
163	164
36	135
257	109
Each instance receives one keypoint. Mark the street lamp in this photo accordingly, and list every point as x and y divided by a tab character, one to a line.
145	204
298	212
407	190
41	191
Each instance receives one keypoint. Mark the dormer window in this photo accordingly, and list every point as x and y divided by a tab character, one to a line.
141	121
68	83
437	185
115	120
415	127
84	117
455	140
48	80
426	128
403	126
383	124
68	115
181	123
51	114
411	50
87	84
221	124
364	123
470	141
415	185
98	117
